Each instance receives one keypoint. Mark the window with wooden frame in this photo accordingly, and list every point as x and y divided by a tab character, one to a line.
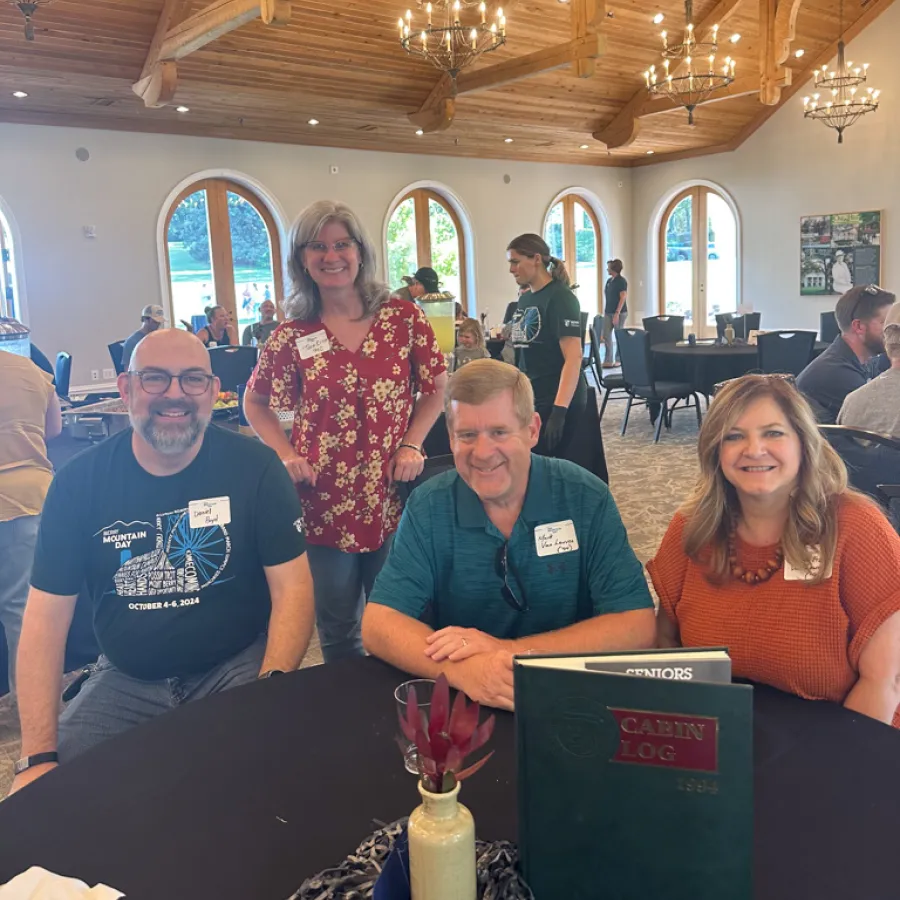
9	302
698	259
223	249
572	231
425	230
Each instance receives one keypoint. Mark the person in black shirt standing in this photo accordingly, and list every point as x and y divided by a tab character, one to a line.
546	332
189	541
614	310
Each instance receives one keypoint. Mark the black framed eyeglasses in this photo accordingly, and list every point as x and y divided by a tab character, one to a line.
504	567
156	381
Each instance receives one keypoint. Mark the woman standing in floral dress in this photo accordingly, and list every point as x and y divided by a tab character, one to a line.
364	377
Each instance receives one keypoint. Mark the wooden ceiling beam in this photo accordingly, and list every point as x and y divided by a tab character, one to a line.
587	16
436	113
785	28
774	75
178	35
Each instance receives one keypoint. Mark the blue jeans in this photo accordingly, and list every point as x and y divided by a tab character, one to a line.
112	702
342	583
17	540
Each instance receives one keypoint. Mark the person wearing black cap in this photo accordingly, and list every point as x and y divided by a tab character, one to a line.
425	281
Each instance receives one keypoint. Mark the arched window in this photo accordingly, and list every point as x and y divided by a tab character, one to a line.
573	233
223	249
425	230
698	263
9	302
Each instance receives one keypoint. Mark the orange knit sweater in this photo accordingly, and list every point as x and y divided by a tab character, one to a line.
805	639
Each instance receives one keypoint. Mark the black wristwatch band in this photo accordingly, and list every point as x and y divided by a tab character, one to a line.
36	759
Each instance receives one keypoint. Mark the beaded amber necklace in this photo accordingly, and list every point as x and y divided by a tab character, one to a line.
752	576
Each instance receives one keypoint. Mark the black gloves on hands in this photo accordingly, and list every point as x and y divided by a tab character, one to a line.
553	430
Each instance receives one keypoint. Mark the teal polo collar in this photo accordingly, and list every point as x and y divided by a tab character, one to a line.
538	498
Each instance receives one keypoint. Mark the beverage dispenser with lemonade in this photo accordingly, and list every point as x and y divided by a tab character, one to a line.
441	312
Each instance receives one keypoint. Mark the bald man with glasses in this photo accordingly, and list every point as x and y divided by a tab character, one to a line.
189	540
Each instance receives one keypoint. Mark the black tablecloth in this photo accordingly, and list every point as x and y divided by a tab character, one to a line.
245	794
705	365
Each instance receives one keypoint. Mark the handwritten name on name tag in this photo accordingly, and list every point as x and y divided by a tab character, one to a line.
793	574
555	538
207	513
313	344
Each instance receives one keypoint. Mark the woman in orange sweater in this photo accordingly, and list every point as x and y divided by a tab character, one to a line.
776	558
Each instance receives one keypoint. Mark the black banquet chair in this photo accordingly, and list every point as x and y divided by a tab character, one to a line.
787	352
63	373
742	325
828	326
872	460
611	384
637	370
664	329
115	354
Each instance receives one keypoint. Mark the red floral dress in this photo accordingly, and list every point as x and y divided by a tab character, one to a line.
351	411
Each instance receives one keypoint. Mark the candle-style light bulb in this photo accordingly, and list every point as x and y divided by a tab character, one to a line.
409	15
474	37
424	39
428	10
483	9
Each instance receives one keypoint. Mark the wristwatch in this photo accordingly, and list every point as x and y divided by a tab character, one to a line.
270	673
36	759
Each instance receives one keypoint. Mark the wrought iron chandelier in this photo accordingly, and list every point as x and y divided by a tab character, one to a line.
689	73
28	10
446	41
845	107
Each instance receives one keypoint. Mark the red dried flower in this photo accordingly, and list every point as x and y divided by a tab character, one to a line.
446	738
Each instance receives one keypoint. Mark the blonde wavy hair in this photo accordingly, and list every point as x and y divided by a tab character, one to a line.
303	300
713	508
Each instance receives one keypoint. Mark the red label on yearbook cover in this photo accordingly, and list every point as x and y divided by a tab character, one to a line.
669	740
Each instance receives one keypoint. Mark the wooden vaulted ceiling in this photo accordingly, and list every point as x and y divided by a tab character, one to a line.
339	61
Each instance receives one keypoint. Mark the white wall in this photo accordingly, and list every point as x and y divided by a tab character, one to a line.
82	294
790	168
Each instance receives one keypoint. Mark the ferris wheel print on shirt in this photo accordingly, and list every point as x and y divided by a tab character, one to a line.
183	560
526	325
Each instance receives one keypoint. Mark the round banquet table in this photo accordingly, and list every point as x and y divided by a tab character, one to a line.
243	795
705	365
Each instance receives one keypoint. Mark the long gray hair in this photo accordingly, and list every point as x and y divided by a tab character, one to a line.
303	300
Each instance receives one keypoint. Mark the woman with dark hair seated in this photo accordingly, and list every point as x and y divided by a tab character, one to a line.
774	557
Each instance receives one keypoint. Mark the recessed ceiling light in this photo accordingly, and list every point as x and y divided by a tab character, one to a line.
657	19
507	140
650	152
734	38
585	146
799	53
313	122
182	109
419	132
19	94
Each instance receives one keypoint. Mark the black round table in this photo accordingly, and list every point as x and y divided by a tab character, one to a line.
245	794
705	365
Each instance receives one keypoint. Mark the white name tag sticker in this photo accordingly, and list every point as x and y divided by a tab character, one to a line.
313	344
207	513
794	574
555	538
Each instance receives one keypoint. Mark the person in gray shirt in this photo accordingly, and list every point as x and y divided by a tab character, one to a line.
152	318
876	405
262	330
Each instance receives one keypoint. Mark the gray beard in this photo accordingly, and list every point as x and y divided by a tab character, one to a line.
170	441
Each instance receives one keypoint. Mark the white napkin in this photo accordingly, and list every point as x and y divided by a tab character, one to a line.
39	884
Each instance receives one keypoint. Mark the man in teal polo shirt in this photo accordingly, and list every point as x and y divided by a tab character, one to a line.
509	553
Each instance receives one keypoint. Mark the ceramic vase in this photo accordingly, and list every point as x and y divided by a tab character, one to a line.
442	848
